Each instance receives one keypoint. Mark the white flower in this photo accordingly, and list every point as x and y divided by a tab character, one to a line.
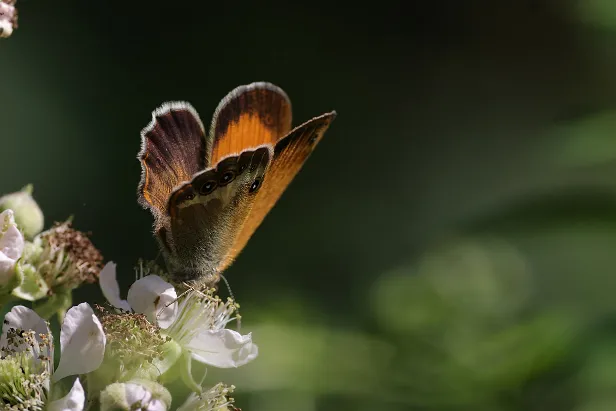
73	401
11	246
8	18
135	395
26	340
150	295
200	329
197	325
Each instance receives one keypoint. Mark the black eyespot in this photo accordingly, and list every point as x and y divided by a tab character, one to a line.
208	187
189	197
226	178
254	186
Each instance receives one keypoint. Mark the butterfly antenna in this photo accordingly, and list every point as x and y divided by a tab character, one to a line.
177	299
239	318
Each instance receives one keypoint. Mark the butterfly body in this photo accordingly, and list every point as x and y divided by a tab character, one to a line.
208	194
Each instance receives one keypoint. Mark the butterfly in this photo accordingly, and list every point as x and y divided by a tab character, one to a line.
208	193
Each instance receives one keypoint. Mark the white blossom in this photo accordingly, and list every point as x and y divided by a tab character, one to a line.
27	340
197	324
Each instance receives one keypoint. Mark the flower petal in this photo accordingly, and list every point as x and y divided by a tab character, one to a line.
155	298
141	395
110	288
11	240
73	401
222	348
11	246
23	318
137	394
82	342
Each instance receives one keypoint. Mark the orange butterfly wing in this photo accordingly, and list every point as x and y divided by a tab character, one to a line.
290	154
248	117
173	148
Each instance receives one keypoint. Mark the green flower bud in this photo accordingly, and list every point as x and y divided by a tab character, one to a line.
28	214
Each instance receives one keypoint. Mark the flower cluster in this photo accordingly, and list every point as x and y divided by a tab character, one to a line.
27	377
42	267
117	356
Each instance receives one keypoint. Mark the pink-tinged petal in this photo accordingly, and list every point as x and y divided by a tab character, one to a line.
73	401
222	348
110	288
82	342
155	298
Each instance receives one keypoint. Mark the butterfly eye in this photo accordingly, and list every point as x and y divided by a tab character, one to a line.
189	197
254	186
208	187
226	178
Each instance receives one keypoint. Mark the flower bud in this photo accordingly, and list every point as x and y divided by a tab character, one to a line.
135	395
28	214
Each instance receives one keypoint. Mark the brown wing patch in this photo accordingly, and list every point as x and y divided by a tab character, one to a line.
248	117
173	148
207	213
290	153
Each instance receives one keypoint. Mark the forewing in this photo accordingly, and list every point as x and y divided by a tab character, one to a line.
173	149
290	153
249	116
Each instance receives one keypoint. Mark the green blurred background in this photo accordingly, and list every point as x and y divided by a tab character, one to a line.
450	245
